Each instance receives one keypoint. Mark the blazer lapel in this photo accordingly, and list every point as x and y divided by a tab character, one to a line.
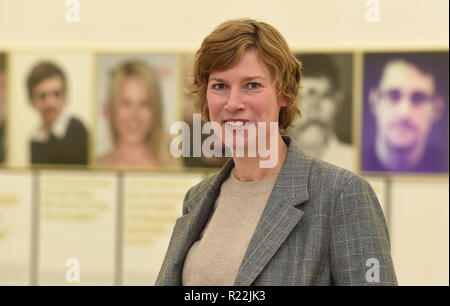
279	216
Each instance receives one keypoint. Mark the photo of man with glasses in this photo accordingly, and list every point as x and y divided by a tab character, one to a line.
405	126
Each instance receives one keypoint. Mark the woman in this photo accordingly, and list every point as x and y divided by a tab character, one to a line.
136	118
299	222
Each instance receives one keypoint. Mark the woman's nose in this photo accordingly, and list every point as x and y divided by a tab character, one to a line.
134	110
235	101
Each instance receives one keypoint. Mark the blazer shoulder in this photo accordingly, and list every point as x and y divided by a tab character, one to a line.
334	177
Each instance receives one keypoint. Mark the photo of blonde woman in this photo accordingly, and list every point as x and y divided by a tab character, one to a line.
135	117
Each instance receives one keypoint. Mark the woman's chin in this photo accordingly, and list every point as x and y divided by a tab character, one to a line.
242	147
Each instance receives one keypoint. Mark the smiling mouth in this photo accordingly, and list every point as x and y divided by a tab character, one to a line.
237	123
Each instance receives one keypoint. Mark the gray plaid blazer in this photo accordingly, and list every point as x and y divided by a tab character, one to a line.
322	225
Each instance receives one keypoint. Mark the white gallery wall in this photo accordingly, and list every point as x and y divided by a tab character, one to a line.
416	207
183	24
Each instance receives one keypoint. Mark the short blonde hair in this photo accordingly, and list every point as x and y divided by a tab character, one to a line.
224	47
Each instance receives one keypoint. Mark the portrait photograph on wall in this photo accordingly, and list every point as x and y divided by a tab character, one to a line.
2	107
52	94
137	102
405	113
324	129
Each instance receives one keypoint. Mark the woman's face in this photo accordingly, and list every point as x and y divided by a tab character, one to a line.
243	96
132	113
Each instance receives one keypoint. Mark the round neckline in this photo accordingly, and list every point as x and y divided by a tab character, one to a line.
240	188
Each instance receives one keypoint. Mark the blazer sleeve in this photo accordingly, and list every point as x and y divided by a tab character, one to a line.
359	245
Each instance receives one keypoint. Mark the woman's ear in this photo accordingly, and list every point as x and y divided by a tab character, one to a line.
282	101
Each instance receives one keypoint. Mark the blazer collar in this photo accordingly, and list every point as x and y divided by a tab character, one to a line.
290	189
292	181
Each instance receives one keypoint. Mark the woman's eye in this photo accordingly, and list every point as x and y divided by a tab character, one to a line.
218	86
253	85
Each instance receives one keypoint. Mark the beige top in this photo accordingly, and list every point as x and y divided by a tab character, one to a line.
215	258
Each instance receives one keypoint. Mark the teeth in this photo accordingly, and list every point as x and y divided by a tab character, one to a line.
235	123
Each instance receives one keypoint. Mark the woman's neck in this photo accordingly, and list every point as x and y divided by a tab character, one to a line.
248	169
